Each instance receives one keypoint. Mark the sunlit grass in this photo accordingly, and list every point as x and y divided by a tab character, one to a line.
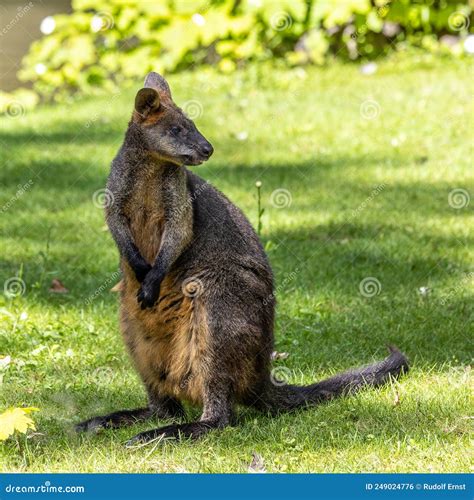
369	198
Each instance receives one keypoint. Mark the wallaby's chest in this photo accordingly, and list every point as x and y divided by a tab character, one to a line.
145	212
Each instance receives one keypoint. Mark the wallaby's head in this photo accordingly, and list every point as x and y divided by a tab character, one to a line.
167	131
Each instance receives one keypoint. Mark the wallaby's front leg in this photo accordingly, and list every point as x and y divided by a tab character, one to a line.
170	249
118	225
177	234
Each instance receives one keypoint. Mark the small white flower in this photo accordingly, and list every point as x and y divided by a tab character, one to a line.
40	69
96	24
300	73
279	355
47	26
368	69
38	350
4	362
198	20
469	44
424	291
242	136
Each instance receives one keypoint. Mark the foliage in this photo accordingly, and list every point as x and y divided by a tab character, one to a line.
15	420
103	44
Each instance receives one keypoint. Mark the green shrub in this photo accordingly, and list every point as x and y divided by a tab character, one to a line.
103	44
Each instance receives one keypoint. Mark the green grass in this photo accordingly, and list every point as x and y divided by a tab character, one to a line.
369	199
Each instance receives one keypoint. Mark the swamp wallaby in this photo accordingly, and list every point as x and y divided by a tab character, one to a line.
197	303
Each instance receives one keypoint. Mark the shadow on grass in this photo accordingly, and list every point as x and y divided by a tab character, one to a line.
72	132
323	257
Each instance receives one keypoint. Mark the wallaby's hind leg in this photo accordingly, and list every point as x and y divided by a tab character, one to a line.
163	407
217	414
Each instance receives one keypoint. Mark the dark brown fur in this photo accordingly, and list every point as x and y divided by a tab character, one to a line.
197	303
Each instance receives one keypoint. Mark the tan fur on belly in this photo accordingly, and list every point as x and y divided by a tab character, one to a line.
168	343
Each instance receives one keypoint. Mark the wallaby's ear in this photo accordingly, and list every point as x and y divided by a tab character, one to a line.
155	81
147	101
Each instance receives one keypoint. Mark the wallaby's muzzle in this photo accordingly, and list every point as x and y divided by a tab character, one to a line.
200	149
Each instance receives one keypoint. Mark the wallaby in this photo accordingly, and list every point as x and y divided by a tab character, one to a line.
197	302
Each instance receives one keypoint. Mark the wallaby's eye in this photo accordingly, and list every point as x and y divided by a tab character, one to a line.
175	130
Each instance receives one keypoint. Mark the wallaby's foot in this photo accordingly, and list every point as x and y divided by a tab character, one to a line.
191	430
114	420
168	408
217	414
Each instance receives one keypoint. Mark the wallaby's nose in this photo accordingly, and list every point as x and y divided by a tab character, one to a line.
207	149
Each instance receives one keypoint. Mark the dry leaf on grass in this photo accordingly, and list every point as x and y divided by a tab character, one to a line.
257	465
58	287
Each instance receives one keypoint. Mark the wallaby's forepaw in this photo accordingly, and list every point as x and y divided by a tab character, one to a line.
141	270
148	294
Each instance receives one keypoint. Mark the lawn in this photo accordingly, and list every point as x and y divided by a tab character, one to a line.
369	166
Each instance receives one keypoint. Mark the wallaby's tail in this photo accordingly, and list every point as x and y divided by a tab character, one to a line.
287	397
